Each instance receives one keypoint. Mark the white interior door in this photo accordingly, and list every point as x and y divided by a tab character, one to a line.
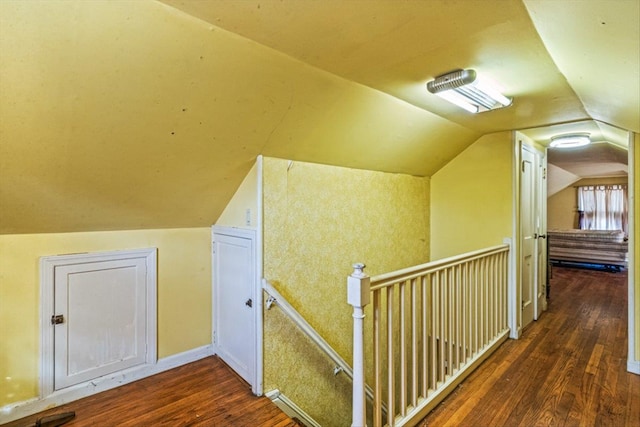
527	235
235	305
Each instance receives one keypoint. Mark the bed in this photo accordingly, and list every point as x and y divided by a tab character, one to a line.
607	248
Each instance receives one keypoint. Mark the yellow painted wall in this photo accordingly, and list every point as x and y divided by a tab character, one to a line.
472	198
184	280
562	206
318	221
245	199
561	210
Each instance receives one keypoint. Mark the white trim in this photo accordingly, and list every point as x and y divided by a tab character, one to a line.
544	228
514	253
258	389
633	362
48	265
250	234
23	409
292	410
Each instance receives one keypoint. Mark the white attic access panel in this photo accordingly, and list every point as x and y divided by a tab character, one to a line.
98	316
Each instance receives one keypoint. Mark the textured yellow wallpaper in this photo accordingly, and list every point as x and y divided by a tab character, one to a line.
318	221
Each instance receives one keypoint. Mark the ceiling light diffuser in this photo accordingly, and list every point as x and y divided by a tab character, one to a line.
570	140
466	90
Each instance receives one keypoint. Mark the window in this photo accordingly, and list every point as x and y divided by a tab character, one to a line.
603	207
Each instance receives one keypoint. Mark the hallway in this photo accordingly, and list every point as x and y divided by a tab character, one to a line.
569	368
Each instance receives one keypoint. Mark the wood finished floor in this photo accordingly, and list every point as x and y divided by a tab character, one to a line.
203	393
568	369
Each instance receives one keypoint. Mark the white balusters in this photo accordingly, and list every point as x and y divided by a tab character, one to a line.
431	325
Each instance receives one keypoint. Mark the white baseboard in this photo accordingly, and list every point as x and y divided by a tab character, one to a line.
633	366
19	410
290	408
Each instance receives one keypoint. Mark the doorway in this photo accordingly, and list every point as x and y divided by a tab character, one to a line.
237	302
612	150
533	254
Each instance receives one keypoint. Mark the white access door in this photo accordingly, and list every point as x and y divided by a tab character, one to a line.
527	235
99	319
235	300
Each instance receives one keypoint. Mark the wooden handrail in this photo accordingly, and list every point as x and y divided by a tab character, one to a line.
432	324
386	279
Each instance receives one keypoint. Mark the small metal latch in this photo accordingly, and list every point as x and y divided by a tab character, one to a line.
57	319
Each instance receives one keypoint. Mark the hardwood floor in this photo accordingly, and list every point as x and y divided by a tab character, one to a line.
568	369
203	393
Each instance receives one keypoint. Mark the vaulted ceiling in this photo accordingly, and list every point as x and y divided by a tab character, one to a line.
147	114
561	61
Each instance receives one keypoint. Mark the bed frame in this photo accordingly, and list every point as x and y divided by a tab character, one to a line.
607	248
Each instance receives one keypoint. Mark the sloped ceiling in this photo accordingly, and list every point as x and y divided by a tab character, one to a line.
146	114
561	60
607	156
602	160
596	46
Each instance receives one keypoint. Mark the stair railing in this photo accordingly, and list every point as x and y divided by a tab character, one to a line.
274	297
432	325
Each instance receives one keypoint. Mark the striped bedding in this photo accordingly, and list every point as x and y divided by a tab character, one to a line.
588	246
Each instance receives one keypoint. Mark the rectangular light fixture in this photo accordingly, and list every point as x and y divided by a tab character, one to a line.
466	90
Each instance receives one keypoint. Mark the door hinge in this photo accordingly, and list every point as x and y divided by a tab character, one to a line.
57	319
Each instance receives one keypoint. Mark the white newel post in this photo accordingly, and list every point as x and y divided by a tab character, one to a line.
358	287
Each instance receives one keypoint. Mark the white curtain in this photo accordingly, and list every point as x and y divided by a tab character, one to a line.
603	207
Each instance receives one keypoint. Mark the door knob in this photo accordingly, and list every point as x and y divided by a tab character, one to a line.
249	303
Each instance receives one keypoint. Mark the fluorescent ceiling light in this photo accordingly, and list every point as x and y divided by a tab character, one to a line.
466	90
570	140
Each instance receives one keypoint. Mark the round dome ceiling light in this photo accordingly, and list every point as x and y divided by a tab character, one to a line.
570	140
